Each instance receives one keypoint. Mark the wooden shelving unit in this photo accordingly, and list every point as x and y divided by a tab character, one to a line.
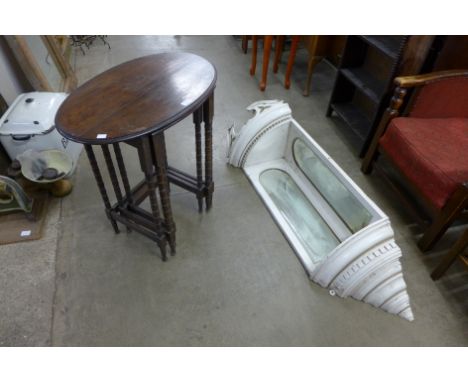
389	45
364	79
357	120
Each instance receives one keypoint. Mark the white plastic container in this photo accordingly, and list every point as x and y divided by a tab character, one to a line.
29	124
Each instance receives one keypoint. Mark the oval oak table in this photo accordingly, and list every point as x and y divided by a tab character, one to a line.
134	103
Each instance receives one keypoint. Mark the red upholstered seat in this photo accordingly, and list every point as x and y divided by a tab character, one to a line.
431	152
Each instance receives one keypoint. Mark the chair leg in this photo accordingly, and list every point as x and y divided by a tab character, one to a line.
314	60
267	42
457	202
451	256
368	161
292	56
279	45
373	151
253	65
245	43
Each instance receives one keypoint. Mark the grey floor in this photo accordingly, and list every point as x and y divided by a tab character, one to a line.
235	281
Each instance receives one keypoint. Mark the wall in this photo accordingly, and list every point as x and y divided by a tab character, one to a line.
12	79
12	83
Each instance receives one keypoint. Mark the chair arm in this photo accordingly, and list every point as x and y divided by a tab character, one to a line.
424	79
402	84
392	111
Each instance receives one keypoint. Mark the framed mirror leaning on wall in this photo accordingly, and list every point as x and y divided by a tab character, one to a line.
43	62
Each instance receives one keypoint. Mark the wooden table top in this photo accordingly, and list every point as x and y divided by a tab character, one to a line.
138	97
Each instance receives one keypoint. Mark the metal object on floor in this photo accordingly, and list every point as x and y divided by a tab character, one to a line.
134	103
13	197
344	241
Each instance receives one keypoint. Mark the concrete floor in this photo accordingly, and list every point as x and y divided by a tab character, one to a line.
235	280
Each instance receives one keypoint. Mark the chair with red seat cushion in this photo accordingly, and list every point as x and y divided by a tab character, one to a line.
431	152
429	146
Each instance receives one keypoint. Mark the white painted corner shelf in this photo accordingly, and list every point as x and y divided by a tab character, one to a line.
344	241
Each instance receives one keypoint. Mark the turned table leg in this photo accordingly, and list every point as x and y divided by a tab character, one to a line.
100	183
208	111
123	172
112	173
113	176
197	120
147	167
163	185
123	175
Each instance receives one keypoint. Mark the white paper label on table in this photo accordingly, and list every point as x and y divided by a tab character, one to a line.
101	136
26	233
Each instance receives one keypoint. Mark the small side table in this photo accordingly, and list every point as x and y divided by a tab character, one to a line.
134	103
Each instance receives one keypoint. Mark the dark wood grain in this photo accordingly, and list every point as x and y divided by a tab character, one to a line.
208	111
142	96
101	186
197	119
135	103
163	185
123	172
112	173
147	165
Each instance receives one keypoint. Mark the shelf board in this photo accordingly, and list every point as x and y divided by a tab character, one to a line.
390	45
365	82
356	120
